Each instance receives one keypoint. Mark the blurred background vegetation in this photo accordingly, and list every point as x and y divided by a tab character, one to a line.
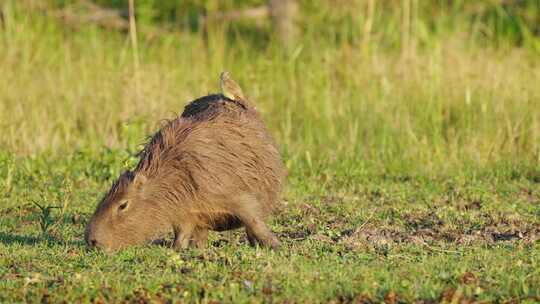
496	21
398	84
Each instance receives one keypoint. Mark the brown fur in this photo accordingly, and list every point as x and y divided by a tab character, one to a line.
213	168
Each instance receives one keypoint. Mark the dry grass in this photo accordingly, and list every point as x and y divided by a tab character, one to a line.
449	102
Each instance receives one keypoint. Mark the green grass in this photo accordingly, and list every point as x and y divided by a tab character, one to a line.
413	175
472	235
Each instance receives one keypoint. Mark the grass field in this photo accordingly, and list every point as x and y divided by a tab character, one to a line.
414	164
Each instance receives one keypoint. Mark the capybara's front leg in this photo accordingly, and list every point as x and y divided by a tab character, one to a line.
251	237
200	237
182	236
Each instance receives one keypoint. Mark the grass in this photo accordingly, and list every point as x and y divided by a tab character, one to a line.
469	236
413	176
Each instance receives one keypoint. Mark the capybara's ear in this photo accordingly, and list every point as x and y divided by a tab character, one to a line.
139	180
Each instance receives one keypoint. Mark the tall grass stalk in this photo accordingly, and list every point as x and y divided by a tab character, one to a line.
368	25
134	45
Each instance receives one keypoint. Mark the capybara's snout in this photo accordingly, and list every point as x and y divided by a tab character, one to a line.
92	238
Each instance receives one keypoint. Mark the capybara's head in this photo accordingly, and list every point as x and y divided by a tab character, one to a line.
126	215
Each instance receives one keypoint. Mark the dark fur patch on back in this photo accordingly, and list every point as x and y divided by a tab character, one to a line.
208	103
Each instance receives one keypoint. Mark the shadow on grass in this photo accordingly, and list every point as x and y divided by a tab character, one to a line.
11	239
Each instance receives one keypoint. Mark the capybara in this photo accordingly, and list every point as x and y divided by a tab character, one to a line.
215	167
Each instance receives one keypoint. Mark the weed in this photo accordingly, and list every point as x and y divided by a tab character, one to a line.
46	220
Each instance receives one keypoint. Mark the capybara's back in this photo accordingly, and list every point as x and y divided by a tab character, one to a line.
213	168
229	150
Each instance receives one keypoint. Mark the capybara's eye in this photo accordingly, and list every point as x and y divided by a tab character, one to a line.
123	206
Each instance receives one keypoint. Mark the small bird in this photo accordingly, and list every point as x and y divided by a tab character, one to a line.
229	88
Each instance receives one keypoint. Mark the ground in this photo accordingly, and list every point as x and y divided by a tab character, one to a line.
357	237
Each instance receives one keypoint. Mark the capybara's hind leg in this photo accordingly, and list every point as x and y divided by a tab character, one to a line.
261	233
255	227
